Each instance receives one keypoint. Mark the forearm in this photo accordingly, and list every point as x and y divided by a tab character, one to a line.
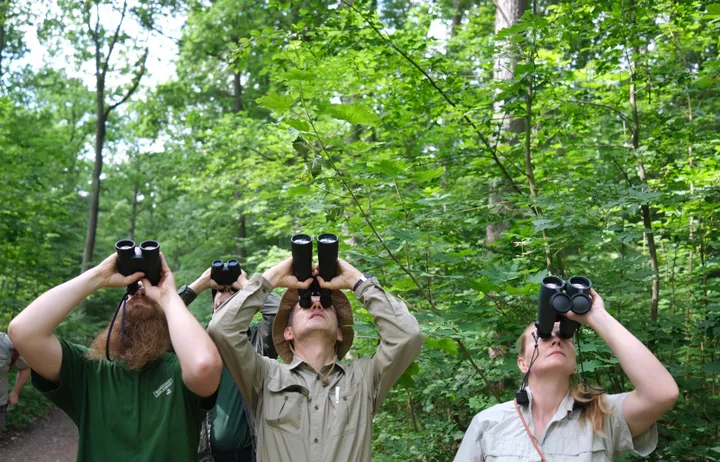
400	336
647	374
199	359
22	377
42	316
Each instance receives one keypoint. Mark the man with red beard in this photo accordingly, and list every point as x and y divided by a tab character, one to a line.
147	404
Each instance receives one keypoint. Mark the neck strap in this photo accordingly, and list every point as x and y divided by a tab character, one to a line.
530	435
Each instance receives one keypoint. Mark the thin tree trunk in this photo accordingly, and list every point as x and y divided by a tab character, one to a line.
645	208
529	169
237	93
507	13
647	221
97	171
237	107
457	17
133	213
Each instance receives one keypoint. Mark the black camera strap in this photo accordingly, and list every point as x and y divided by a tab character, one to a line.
122	304
521	396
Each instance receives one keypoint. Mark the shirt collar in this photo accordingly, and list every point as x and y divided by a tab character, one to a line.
297	361
565	409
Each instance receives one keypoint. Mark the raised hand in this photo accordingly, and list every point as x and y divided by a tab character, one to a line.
281	275
107	274
346	278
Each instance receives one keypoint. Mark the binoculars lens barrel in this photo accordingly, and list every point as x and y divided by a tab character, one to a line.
225	274
144	258
327	255
302	247
579	291
578	283
150	246
557	298
125	246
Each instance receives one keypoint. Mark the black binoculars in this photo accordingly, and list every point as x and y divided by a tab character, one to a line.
144	258
302	253
225	273
557	298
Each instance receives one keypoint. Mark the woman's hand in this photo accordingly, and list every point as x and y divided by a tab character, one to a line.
597	311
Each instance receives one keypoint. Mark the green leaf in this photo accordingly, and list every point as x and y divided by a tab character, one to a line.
444	344
276	102
353	113
483	285
298	190
316	167
713	10
298	124
406	380
428	175
297	74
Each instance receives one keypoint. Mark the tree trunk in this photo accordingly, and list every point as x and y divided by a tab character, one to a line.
237	93
97	171
507	13
645	208
457	17
133	212
237	107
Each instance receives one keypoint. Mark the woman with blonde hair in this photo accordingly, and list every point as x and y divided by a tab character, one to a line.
566	422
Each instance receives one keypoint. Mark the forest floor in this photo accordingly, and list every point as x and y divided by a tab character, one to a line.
51	438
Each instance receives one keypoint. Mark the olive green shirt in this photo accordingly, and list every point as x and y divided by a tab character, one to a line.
497	435
297	418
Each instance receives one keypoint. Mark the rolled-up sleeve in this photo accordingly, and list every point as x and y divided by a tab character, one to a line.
400	337
619	432
228	329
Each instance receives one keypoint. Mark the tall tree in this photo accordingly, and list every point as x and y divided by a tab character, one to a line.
99	32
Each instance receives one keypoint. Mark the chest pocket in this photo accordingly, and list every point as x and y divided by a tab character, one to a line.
285	406
350	411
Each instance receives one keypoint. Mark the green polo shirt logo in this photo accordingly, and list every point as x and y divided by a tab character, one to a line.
164	388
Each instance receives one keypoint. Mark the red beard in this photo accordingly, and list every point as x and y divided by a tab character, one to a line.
147	337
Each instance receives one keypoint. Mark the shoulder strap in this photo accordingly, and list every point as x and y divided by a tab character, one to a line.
13	358
532	438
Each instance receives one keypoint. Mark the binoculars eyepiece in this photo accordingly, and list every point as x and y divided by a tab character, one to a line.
225	274
301	246
144	258
557	297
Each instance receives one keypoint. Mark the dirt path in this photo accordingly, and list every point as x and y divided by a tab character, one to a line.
52	438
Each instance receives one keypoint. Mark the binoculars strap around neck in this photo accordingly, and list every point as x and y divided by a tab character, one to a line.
122	304
529	433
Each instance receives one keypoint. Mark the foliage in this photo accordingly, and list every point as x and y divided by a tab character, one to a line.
349	117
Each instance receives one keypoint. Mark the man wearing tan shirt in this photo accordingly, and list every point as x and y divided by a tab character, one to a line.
314	408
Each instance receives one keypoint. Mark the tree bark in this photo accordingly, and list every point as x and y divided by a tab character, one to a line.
241	235
457	17
102	113
237	93
507	13
133	212
645	208
97	172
